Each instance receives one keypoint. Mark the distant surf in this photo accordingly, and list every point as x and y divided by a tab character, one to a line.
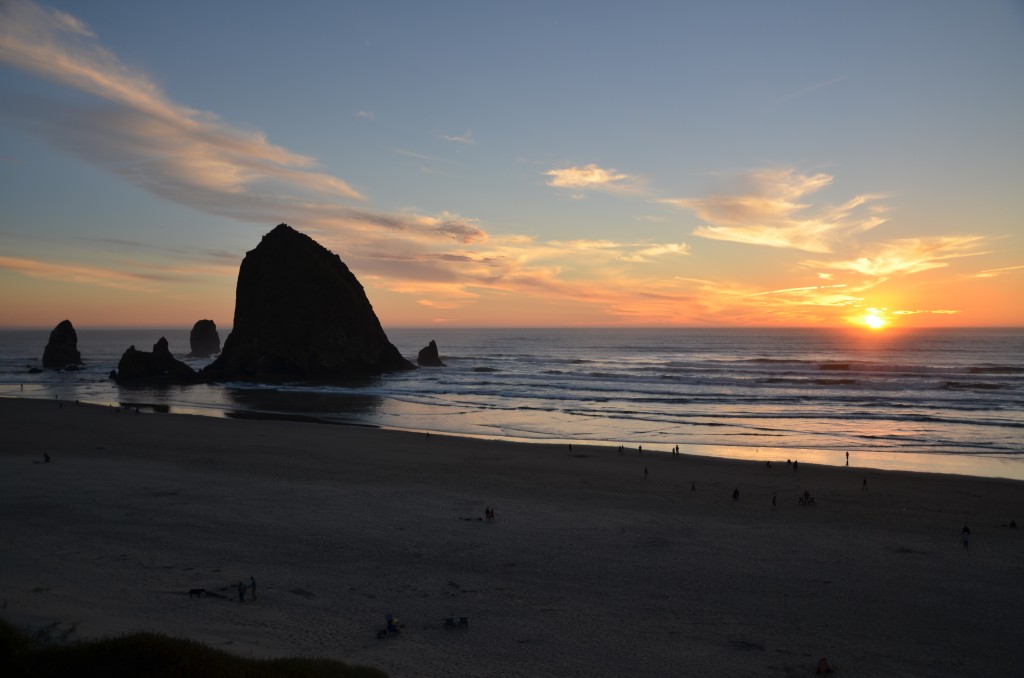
951	392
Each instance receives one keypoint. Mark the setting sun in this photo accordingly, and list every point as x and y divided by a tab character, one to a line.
874	320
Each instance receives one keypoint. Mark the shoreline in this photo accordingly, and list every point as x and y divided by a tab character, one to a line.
980	465
593	567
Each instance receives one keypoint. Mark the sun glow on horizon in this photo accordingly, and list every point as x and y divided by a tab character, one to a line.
873	319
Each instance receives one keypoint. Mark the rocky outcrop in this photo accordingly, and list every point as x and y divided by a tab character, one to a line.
301	314
62	348
159	366
204	340
428	356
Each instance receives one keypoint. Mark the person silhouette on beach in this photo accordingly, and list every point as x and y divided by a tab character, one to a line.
640	449
736	494
864	484
252	586
774	505
645	473
794	465
964	536
241	592
693	486
847	458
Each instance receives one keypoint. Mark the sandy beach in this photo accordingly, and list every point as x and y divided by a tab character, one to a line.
592	567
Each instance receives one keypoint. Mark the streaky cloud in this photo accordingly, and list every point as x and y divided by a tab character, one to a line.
907	256
165	141
464	138
995	272
770	211
87	275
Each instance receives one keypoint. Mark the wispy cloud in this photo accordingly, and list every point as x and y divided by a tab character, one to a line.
930	312
996	272
164	146
86	275
771	211
907	256
411	154
464	138
176	152
593	178
367	115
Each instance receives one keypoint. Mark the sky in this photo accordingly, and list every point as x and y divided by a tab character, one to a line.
528	164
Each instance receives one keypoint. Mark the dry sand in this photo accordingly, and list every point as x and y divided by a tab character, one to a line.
588	570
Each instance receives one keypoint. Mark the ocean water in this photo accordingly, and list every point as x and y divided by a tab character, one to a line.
949	400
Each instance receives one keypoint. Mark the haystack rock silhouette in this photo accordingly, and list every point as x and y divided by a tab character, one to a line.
204	340
301	314
62	348
156	367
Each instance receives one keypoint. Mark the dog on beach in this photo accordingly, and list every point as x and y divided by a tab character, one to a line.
197	593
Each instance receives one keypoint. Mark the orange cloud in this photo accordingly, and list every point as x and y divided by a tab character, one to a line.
769	212
82	275
907	256
593	178
995	272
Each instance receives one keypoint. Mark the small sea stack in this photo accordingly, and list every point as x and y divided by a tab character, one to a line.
62	349
204	340
300	314
428	356
158	366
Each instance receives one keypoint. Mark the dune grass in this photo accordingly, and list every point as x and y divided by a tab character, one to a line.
151	655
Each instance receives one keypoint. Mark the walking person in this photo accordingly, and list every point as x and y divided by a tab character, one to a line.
252	586
964	536
241	592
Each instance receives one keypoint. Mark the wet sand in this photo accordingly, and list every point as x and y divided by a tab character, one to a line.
589	569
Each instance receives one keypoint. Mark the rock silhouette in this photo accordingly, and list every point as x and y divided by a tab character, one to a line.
158	366
62	348
428	356
301	314
204	340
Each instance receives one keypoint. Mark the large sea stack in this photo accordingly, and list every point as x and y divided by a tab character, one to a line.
157	367
62	348
301	314
204	340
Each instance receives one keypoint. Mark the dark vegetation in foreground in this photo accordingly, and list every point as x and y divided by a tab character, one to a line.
149	655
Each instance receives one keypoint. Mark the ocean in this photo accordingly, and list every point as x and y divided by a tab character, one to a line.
942	400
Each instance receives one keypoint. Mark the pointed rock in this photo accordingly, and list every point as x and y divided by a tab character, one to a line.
301	314
428	356
62	348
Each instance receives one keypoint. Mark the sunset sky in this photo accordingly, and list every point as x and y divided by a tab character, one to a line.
539	164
